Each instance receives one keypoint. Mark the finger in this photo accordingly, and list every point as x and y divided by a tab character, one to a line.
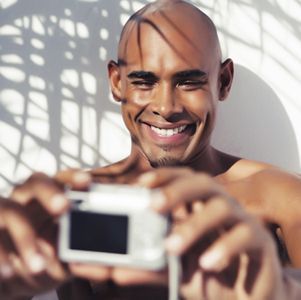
24	239
242	238
184	190
91	272
43	189
76	179
123	276
6	270
57	271
216	214
162	176
179	214
23	278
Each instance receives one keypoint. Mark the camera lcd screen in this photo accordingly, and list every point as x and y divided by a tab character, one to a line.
98	232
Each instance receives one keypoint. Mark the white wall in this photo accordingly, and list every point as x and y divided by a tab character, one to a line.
55	109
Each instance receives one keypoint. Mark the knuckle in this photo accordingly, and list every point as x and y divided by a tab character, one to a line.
186	230
36	177
247	231
204	178
40	180
221	206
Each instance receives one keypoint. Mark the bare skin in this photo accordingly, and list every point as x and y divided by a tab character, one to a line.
169	78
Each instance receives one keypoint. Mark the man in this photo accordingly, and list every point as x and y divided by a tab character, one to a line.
169	78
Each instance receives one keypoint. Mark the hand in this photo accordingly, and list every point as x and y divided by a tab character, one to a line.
227	254
28	233
23	256
45	201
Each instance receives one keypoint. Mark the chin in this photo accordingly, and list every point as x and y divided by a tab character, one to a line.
165	162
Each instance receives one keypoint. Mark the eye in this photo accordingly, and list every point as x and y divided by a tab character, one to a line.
191	84
143	84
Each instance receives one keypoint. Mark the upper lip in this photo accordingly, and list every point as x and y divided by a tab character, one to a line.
167	125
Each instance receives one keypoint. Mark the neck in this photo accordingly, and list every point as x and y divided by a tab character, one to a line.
210	161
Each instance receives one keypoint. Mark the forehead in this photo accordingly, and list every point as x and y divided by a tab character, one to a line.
175	39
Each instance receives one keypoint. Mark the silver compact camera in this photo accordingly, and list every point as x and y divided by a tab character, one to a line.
113	225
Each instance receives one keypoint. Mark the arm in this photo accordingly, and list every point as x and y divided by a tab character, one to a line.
240	262
281	194
274	196
226	253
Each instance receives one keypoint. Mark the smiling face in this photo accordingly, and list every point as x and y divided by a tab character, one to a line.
169	80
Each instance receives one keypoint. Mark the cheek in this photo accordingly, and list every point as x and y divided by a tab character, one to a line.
131	109
199	104
136	97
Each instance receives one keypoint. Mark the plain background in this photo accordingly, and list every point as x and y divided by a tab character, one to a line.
55	108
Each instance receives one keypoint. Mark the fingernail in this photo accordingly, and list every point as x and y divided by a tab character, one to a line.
158	199
6	271
210	260
147	179
81	177
58	203
174	243
36	263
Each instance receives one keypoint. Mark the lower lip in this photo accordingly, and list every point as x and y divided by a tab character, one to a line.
177	138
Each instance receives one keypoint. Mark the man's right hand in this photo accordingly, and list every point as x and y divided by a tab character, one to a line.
24	256
28	233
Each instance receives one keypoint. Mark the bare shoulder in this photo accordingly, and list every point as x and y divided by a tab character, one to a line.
263	187
269	176
244	168
282	186
265	176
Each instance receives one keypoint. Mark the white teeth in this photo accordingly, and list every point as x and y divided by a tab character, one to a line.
168	132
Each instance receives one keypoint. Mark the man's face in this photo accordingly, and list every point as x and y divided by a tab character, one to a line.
169	89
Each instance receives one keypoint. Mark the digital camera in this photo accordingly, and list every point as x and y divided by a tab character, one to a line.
113	225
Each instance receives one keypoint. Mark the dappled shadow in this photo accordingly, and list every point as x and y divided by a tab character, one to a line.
54	91
55	109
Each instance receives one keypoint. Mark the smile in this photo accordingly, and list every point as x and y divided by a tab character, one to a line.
168	132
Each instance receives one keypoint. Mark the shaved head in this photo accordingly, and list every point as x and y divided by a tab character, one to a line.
162	14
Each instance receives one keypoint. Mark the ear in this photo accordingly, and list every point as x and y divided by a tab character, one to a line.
225	78
115	79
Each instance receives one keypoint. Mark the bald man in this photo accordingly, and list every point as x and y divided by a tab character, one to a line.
169	78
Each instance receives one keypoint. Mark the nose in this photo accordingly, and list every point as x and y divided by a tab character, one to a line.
165	102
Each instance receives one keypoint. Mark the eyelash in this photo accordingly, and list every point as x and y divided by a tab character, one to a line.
143	84
186	84
191	84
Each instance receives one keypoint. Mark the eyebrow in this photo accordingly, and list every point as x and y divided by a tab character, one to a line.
190	74
179	75
143	75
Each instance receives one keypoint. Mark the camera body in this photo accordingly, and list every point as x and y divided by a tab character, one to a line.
113	225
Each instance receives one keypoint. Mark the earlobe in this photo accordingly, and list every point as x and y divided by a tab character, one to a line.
225	78
115	80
